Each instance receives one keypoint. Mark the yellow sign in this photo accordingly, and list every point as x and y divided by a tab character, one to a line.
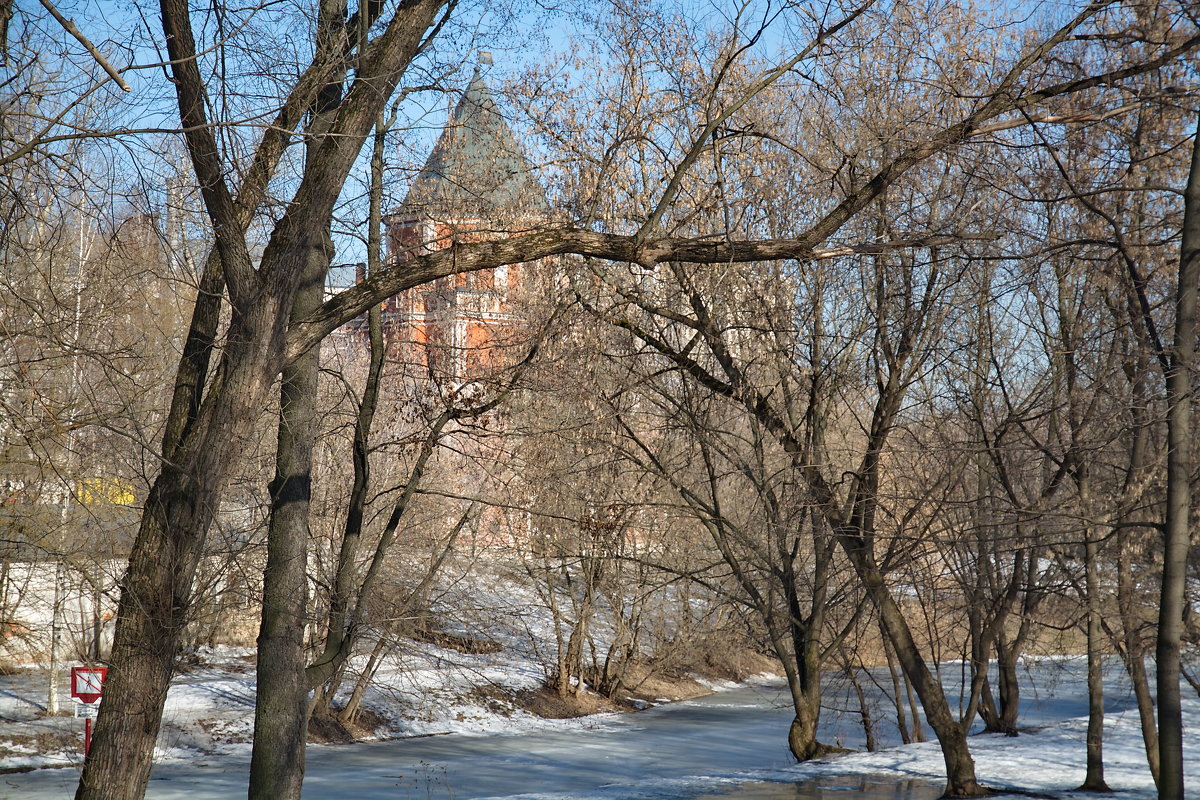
104	490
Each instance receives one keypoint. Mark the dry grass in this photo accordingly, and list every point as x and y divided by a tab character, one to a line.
51	741
450	641
546	703
329	729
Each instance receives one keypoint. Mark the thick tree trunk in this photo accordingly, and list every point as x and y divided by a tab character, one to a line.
801	666
1177	531
281	700
156	589
802	734
150	621
805	688
183	500
1010	686
806	699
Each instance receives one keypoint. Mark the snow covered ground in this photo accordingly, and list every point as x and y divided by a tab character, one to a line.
422	688
730	743
1049	758
448	731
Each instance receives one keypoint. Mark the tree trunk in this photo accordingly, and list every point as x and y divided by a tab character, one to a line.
572	680
281	700
952	736
918	729
350	710
897	688
1145	703
804	685
804	632
802	734
1176	532
1010	687
157	586
1133	652
1094	778
806	702
328	668
210	415
981	647
864	708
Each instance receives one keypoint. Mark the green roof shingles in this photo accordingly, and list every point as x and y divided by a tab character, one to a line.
476	169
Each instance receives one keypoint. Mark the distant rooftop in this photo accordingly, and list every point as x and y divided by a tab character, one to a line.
476	168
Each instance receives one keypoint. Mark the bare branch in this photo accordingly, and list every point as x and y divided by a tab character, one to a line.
69	27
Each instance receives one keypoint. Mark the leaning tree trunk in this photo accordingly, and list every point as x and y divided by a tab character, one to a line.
156	593
1176	532
349	712
951	734
1133	652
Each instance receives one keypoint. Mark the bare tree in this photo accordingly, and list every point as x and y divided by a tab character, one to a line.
250	321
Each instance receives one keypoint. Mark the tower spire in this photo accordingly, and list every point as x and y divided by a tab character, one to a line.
476	169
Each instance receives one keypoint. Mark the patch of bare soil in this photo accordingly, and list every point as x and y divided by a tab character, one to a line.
644	685
18	770
50	741
451	641
329	729
647	686
546	703
734	665
495	699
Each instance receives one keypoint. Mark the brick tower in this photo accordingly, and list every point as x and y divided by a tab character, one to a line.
476	184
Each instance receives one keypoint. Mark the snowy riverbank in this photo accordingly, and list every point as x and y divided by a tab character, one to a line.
721	743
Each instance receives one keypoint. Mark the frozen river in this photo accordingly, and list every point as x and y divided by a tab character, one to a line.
717	744
731	745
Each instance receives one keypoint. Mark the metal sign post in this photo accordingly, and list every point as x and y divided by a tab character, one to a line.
87	686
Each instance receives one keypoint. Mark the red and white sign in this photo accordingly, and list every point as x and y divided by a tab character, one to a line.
87	683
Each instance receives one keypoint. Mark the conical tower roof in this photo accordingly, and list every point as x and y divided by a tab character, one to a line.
476	169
